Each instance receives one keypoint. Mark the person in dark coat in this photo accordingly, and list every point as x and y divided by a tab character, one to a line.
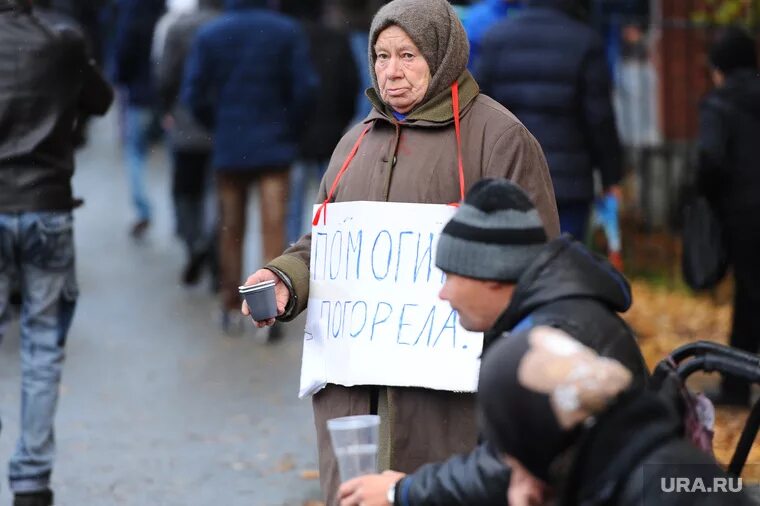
565	420
191	143
551	71
249	79
729	175
481	17
47	83
88	16
133	71
331	111
501	284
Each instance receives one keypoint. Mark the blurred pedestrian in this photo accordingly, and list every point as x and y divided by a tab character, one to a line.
249	79
550	70
503	277
134	35
482	16
190	143
407	150
47	81
87	16
729	177
355	16
330	112
565	420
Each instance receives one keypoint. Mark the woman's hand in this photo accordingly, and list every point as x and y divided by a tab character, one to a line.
281	293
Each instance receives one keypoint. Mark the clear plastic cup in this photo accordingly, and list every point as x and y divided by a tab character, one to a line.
354	440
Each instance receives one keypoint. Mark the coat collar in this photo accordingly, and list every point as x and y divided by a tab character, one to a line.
436	112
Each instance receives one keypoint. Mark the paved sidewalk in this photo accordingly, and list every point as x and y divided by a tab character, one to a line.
157	407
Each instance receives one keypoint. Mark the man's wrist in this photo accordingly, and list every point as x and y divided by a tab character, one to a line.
394	491
391	495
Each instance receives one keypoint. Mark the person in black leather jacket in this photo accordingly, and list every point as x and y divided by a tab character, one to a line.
559	284
573	432
47	82
37	113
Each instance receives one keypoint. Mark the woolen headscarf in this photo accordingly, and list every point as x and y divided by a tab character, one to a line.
536	390
435	29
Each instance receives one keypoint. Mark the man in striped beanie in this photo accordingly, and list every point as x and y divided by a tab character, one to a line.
504	276
487	245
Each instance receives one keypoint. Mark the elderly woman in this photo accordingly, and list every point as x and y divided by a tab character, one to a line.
406	150
573	432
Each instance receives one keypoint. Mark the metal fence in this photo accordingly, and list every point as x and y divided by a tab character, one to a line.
661	73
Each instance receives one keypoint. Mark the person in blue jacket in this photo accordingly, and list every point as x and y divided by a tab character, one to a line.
249	79
133	72
481	17
549	68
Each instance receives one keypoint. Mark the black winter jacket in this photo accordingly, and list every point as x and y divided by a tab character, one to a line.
550	70
728	147
333	106
132	44
565	287
633	455
46	82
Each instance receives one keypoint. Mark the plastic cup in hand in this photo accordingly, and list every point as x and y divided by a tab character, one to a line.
261	300
354	440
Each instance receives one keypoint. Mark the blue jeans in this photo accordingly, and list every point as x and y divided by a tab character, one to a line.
37	258
301	173
136	126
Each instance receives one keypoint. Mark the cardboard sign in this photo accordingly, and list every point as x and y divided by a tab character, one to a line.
374	316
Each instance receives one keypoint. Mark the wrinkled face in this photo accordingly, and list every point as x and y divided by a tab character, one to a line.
479	303
524	488
403	75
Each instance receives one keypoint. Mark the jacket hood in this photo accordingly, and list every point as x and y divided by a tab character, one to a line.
565	269
234	5
742	89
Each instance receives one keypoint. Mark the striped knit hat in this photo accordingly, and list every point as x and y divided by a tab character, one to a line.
494	235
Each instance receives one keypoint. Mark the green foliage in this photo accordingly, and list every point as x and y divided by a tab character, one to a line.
727	12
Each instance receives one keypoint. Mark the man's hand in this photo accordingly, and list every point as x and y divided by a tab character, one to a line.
281	293
369	490
616	191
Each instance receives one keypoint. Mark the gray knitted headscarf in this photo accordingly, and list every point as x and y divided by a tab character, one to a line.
436	30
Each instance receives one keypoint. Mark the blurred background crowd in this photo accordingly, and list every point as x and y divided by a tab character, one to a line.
657	60
657	64
188	84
